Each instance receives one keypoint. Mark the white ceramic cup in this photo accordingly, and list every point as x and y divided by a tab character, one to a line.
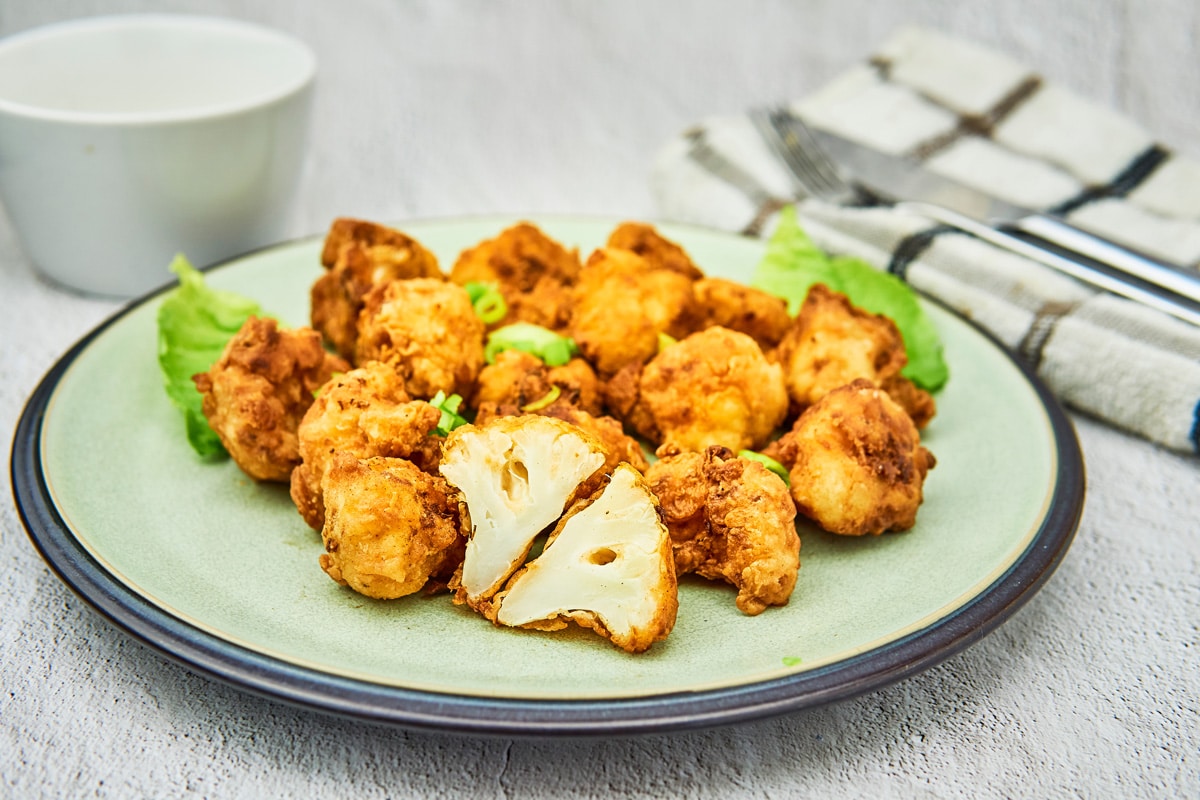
125	140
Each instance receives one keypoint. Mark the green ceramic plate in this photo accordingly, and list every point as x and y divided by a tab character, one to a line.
221	573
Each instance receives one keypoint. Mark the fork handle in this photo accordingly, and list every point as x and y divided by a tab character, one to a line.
1123	259
1080	267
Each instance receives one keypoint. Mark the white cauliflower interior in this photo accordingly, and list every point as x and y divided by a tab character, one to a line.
609	568
516	475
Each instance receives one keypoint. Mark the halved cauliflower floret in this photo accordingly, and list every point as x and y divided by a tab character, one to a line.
608	566
516	475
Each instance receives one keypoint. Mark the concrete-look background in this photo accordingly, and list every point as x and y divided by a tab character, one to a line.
452	107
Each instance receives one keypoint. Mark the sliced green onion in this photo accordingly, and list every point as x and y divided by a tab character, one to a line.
488	301
543	401
544	343
665	340
450	418
767	462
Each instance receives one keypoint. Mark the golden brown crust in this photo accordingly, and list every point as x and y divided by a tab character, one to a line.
832	343
761	316
731	520
425	329
856	462
618	446
259	389
519	379
365	412
359	256
659	252
389	527
714	387
622	304
533	272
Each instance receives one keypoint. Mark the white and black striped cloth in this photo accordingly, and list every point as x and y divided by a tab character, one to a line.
986	121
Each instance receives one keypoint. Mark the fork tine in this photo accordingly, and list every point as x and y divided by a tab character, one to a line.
803	154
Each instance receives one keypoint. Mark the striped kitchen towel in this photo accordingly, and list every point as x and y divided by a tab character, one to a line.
987	121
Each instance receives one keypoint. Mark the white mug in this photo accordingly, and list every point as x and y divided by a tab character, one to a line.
125	140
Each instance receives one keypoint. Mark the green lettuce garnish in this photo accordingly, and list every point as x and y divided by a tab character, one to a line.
544	343
195	322
793	263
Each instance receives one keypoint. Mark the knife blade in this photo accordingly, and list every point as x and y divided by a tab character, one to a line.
1042	237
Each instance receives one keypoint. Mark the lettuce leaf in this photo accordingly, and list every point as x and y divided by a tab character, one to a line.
195	322
793	263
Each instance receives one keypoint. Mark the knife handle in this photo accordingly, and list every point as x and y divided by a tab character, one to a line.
1077	266
1123	259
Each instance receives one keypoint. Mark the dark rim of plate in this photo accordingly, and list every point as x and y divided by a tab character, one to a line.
279	680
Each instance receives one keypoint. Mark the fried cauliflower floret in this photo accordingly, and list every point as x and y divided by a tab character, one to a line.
856	462
364	412
730	519
389	527
713	388
607	566
618	446
660	252
359	256
533	272
521	379
622	304
832	343
427	330
761	316
515	475
258	390
918	403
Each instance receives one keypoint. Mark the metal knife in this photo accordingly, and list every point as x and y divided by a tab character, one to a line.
1035	235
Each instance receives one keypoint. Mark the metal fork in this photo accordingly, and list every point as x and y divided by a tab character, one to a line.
814	172
806	159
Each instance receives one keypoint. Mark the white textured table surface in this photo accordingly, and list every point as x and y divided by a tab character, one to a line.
444	108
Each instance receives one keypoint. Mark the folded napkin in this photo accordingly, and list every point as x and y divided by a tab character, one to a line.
987	121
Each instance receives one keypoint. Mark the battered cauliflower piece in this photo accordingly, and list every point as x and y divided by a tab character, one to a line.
607	566
761	316
520	379
515	475
622	304
856	462
713	388
428	331
832	343
533	272
359	256
730	519
389	527
364	412
259	389
618	446
918	403
660	252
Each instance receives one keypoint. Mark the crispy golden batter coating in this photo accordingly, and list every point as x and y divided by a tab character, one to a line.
714	387
856	462
730	519
517	378
365	412
360	256
918	403
647	242
389	527
832	343
618	446
259	389
761	316
622	304
533	272
427	330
